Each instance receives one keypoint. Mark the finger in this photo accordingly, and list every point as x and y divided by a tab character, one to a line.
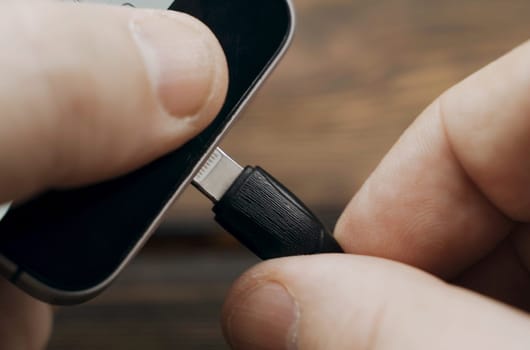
89	92
353	302
454	184
501	275
521	242
25	323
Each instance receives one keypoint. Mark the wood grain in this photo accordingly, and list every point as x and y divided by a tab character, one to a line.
357	75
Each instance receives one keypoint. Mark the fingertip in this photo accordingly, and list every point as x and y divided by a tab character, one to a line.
102	91
264	317
188	69
271	305
355	302
185	62
248	281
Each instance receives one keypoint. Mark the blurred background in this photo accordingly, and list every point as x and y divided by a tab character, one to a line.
357	74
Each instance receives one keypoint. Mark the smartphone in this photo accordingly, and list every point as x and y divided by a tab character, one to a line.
65	247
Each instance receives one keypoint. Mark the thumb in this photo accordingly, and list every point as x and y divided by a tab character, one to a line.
354	302
90	92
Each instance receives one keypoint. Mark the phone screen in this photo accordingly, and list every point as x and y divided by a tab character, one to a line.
74	240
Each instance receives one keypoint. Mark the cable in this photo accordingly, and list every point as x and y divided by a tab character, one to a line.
260	212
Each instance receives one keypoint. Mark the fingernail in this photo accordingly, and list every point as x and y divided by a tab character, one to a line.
181	56
266	319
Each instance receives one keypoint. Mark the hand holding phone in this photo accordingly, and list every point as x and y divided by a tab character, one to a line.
66	246
57	57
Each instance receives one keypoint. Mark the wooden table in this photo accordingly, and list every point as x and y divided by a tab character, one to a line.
358	73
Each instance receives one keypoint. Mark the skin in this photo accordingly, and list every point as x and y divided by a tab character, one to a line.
438	239
102	91
438	235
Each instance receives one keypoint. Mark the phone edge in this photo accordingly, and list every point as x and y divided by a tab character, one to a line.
56	296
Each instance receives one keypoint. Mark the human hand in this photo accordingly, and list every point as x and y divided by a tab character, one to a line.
88	93
451	198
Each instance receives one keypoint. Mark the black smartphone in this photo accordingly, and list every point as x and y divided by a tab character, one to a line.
65	247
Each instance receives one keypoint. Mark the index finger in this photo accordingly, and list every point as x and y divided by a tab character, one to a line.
456	182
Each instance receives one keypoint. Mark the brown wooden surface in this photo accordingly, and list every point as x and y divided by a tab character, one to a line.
358	73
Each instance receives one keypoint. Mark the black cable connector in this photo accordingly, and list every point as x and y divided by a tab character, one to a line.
260	212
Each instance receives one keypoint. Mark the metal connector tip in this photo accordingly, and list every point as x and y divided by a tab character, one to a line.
217	175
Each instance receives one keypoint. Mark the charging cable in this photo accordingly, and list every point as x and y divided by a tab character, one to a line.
260	212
